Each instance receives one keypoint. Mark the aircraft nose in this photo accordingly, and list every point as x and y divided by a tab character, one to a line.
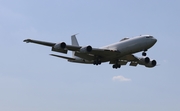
154	40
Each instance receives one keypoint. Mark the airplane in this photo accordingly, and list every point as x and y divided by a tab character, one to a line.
117	54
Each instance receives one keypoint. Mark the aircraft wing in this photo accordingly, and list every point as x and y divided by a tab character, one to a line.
82	51
39	42
129	58
55	46
132	59
51	44
64	57
125	59
103	54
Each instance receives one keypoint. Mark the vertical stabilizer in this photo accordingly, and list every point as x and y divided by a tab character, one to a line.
74	40
74	43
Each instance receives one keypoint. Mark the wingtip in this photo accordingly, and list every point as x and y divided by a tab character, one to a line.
51	54
27	40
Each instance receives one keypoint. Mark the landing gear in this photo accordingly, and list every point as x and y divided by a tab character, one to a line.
115	66
97	62
144	53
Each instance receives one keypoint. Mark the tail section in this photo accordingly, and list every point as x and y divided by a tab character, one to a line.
74	40
74	43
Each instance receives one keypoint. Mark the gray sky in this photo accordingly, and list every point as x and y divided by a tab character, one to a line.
31	80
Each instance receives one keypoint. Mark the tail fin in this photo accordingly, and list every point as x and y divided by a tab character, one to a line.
74	43
74	40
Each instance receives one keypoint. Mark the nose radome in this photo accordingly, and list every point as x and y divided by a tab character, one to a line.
155	40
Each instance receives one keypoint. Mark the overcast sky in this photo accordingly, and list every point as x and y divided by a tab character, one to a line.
31	80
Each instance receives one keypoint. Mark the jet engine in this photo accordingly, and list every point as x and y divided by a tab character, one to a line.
147	62
151	63
86	49
61	45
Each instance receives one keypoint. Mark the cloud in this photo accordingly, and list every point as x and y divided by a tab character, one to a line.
120	78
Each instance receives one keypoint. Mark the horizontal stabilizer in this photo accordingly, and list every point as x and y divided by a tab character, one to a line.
64	57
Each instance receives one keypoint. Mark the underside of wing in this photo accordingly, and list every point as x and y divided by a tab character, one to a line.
129	58
125	59
64	57
102	54
84	55
105	52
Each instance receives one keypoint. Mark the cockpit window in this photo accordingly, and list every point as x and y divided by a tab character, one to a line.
149	37
124	39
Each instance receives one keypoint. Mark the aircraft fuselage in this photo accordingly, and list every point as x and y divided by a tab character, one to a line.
125	47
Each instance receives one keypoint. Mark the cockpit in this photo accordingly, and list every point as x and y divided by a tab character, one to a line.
149	36
124	39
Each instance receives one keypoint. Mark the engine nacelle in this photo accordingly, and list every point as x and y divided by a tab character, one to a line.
144	61
147	62
61	45
86	49
151	63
